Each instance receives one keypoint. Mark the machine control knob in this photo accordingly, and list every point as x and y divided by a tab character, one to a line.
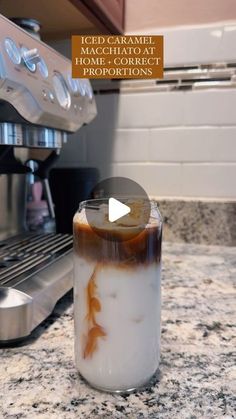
73	84
89	90
31	57
82	87
12	50
42	66
61	91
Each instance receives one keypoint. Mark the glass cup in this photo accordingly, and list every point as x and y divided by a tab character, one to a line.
117	299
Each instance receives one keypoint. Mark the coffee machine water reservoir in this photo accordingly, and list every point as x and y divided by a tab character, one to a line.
39	105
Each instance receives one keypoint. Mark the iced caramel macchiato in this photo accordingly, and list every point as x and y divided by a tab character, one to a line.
117	295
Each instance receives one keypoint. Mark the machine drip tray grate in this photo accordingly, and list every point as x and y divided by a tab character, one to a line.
25	255
35	272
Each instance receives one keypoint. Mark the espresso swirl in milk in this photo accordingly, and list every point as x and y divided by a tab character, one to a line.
117	301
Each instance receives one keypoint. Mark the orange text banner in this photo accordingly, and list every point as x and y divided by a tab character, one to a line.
117	57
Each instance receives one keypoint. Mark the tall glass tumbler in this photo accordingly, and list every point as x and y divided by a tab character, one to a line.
117	299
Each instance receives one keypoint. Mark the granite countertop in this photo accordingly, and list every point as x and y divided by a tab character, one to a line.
198	361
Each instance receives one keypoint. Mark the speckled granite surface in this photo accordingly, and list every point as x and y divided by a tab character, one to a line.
198	362
200	222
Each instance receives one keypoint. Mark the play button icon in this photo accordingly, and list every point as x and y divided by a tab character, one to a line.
119	209
116	210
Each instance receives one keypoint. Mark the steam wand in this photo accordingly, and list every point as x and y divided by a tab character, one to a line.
42	172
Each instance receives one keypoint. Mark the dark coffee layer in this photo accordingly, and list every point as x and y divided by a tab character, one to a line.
144	248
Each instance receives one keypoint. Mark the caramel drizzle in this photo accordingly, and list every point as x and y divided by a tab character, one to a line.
95	331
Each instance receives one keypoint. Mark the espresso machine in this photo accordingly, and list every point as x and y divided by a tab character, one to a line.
40	104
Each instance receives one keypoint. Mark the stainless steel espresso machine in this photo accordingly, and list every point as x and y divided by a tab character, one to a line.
39	105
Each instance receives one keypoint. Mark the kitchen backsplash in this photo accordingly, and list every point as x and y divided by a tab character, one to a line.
185	140
198	44
182	141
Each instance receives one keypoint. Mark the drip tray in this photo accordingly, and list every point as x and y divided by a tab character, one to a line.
36	270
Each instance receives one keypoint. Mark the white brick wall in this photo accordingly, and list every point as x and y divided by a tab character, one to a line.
180	144
187	45
208	144
174	144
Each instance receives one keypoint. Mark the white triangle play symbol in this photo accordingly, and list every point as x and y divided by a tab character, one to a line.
116	209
